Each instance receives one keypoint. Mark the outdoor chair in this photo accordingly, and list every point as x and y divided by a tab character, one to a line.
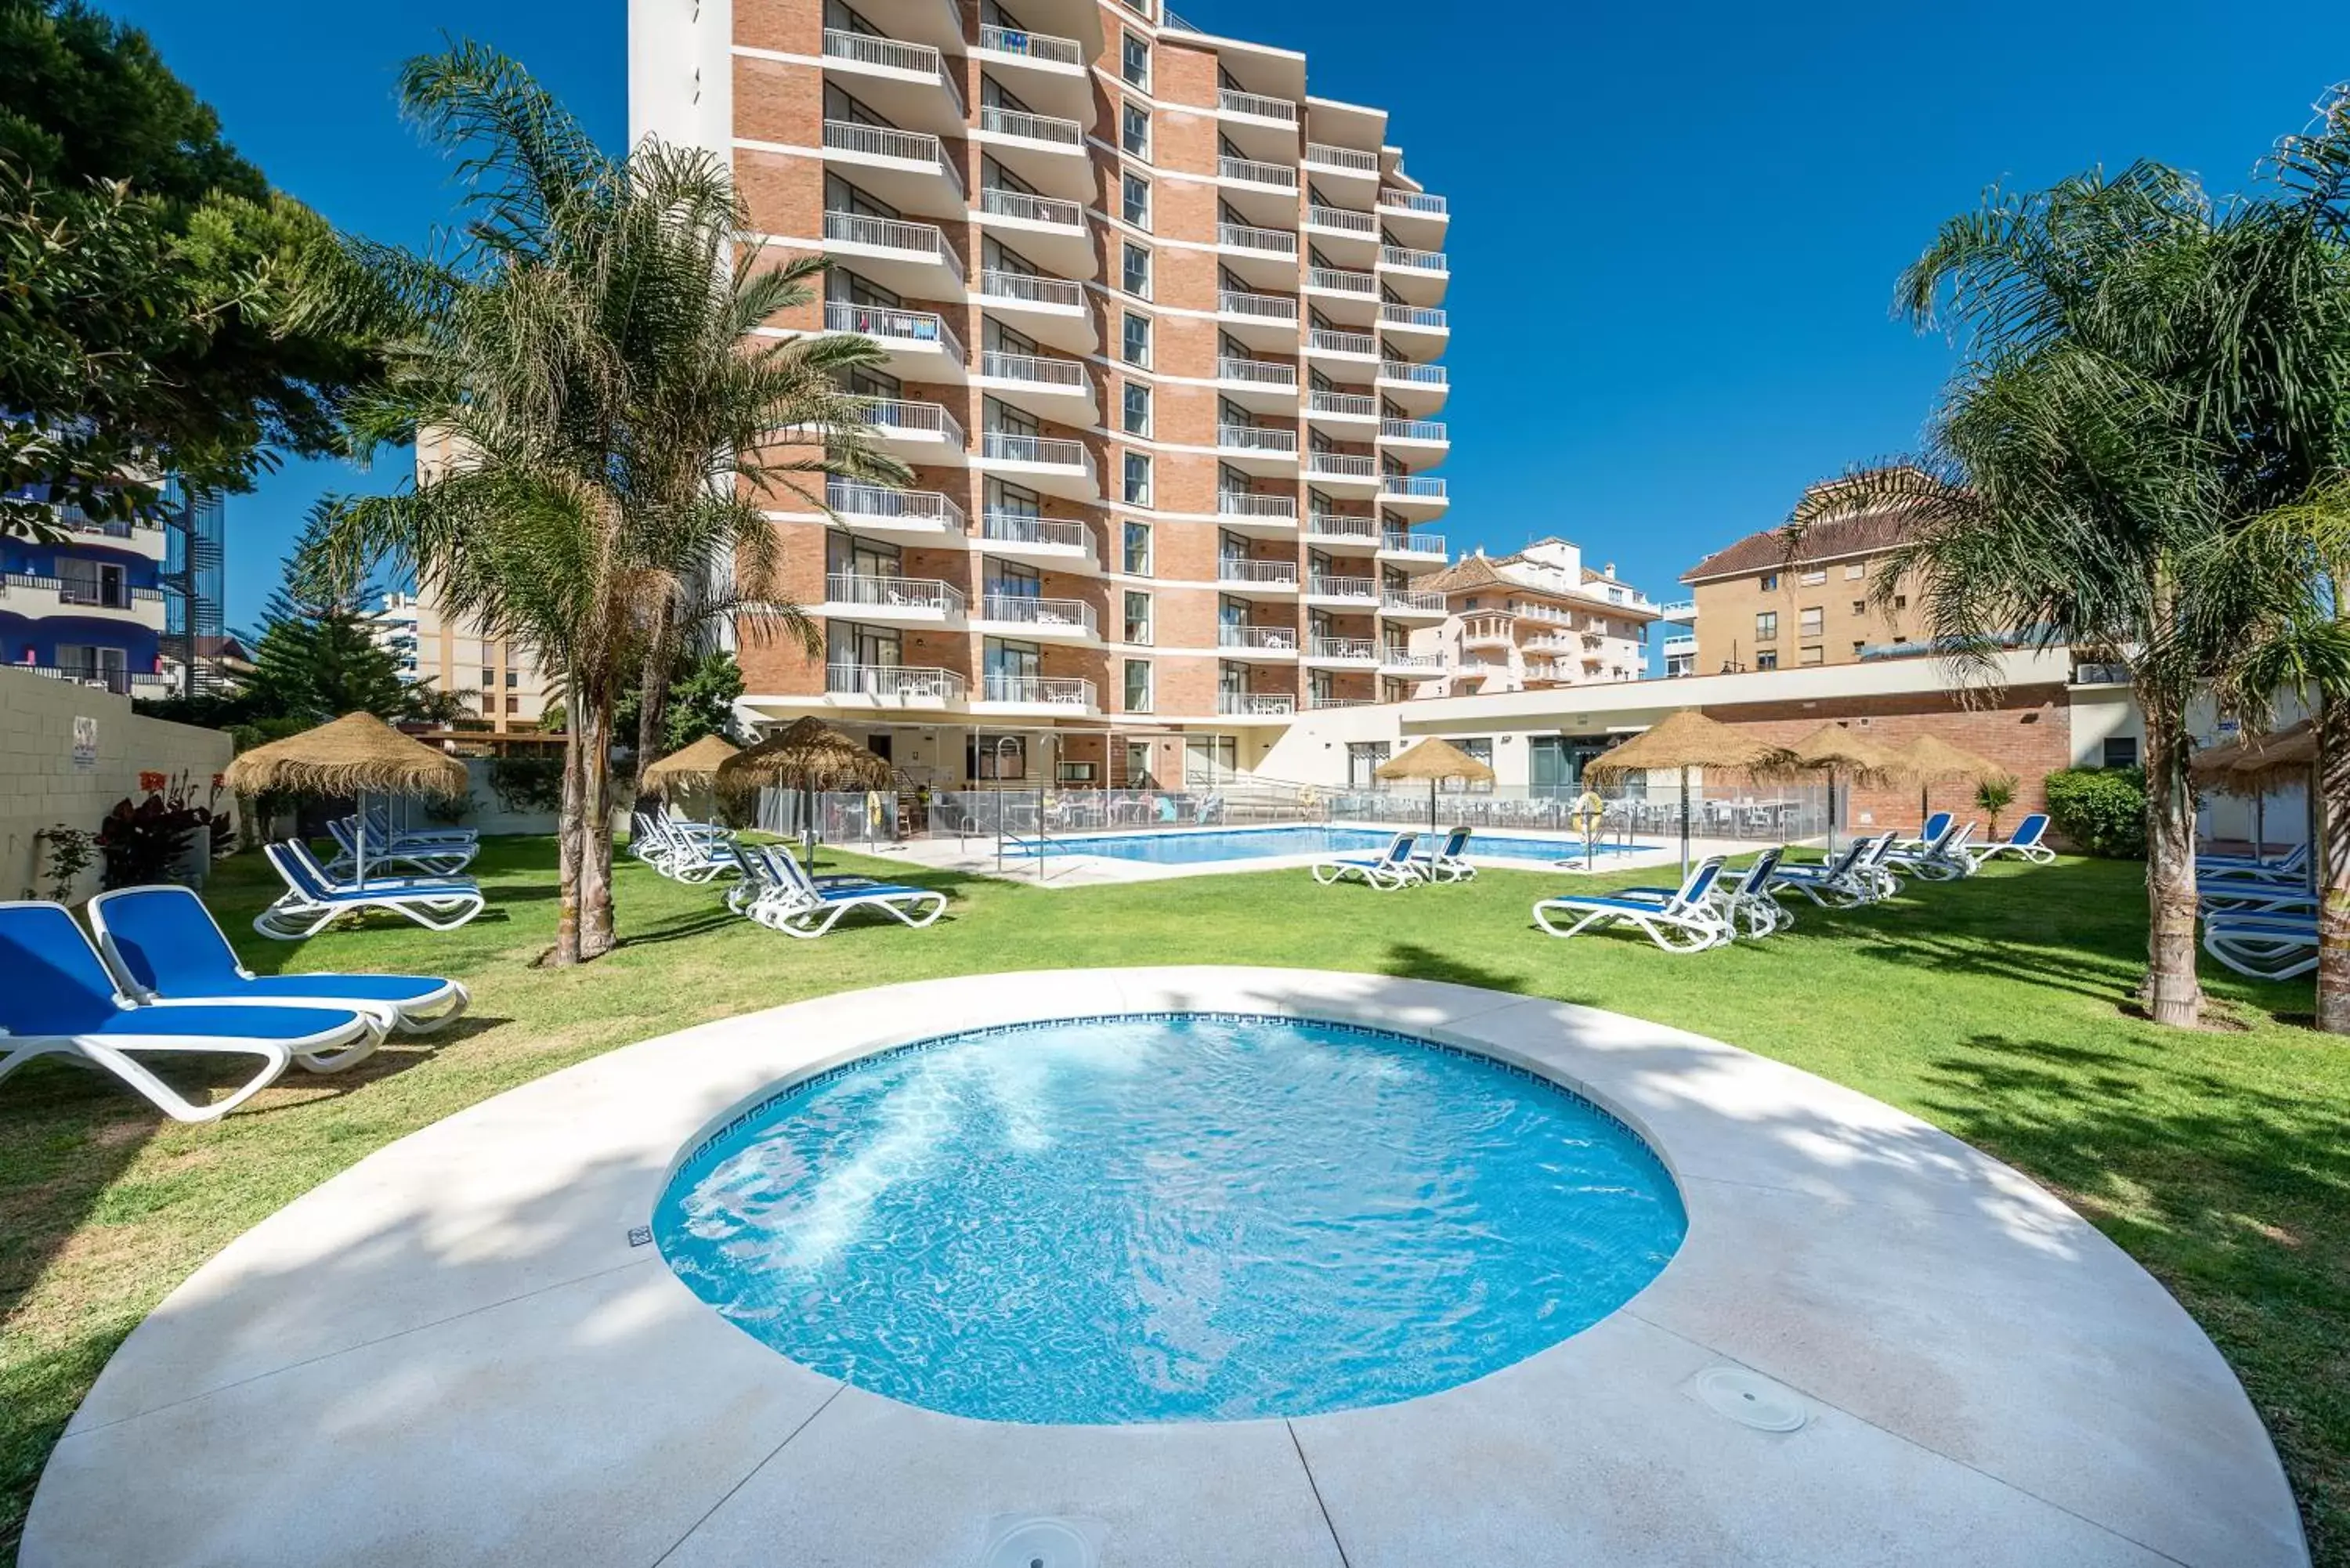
1679	920
312	899
1942	859
2262	945
1745	901
1388	869
1848	880
2027	844
1445	862
2293	867
799	905
426	859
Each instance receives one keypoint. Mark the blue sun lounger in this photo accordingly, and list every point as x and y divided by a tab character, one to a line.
312	899
799	905
163	945
1745	900
1388	869
2027	845
2263	945
61	1001
1679	920
1445	862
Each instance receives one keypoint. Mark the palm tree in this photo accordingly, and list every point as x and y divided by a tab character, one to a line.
2142	375
605	421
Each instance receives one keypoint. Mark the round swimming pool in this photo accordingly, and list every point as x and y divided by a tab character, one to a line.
1171	1217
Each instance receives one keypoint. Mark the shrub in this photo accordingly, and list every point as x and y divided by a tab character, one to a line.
1993	796
527	782
2100	810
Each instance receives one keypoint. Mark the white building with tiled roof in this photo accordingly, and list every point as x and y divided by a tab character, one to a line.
1536	619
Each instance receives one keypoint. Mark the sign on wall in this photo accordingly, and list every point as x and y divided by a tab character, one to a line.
85	743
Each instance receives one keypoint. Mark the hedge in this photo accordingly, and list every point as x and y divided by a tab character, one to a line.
2101	811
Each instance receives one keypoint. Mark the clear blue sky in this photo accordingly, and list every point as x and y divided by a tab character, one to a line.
1676	227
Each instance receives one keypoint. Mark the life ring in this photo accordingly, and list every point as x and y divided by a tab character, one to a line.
1586	815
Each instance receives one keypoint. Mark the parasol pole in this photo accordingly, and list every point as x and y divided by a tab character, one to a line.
1431	807
1832	820
1685	836
362	837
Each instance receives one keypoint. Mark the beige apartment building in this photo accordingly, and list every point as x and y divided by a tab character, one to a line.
1760	605
501	678
1163	331
1539	618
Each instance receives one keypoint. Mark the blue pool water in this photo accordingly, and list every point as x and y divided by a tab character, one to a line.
1179	846
1169	1217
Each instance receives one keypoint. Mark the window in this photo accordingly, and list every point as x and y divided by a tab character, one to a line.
1134	62
2118	752
1770	582
1136	556
513	705
1134	340
1811	654
1860	606
1900	601
1138	686
1137	479
1766	626
1363	759
1813	579
1854	570
998	756
1808	622
1768	658
1136	276
513	678
1137	616
489	678
1858	648
1137	408
1136	200
1134	129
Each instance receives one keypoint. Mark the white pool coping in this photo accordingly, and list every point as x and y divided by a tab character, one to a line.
452	1353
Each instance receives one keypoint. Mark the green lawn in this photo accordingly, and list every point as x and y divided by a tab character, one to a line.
1996	1009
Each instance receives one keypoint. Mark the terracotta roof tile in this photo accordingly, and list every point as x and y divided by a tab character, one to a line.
1864	532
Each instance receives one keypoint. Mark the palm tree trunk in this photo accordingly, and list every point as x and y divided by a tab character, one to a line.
596	937
2172	994
2331	818
652	692
566	832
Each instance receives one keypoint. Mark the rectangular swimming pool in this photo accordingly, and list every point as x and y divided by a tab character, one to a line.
1188	846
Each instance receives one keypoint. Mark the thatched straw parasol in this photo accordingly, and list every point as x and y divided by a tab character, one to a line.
1434	761
1931	759
2251	766
1833	750
810	756
695	767
1688	739
358	756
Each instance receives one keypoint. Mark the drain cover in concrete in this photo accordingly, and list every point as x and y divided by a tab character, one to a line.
1749	1398
1022	1541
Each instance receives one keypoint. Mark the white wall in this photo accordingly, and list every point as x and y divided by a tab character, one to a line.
681	73
43	785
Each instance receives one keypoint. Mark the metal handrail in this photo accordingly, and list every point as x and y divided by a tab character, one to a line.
1420	261
1412	430
1412	599
997	202
1242	236
1239	569
1027	528
1406	542
1255	704
1058	691
888	322
855	500
1256	438
1039	370
889	142
1412	484
891	53
1257	172
1264	372
889	234
1043	47
896	682
1270	639
1349	405
1005	446
1343	219
1342	648
1411	200
1411	315
1331	341
1345	158
901	414
1019	122
1342	281
1244	503
1341	464
1256	103
893	593
1033	288
1026	612
1341	525
1342	587
1271	307
1405	370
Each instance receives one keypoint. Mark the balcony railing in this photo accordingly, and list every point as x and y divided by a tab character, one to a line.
888	233
999	202
1411	201
894	683
1412	599
1342	648
1025	528
1341	525
1255	438
1398	659
1241	503
1019	122
1257	173
1428	316
1053	691
1259	372
1421	484
1361	344
1412	430
120	681
871	592
1342	219
1264	638
1320	701
1273	241
1404	371
1036	369
1032	46
1347	405
1346	158
1417	261
1239	569
889	142
892	325
852	499
1263	306
1329	588
1030	288
1341	464
1066	614
890	54
1405	542
1340	281
1255	704
1235	102
1046	451
904	418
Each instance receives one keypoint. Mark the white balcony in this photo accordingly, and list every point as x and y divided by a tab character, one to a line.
1259	256
1336	280
1255	448
1420	320
1342	221
905	258
1062	543
1037	620
1325	588
1256	105
1328	343
907	168
1323	407
1414	217
1242	236
1411	544
1259	320
1346	651
1677	646
143	539
1050	70
1403	258
1057	388
1264	579
121	681
1050	310
1256	704
1250	171
893	686
1347	162
1048	231
1258	516
1415	433
1411	603
1344	471
1415	389
1420	202
1681	612
1022	126
1411	666
1048	693
874	508
1011	43
1420	493
1261	386
1323	701
1049	463
911	84
919	601
40	597
922	346
914	432
1258	644
1339	528
1045	149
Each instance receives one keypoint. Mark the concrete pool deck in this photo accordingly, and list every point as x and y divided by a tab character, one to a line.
454	1352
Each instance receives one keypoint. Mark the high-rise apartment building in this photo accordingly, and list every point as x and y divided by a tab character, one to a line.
1768	602
501	678
1538	617
1162	332
117	603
